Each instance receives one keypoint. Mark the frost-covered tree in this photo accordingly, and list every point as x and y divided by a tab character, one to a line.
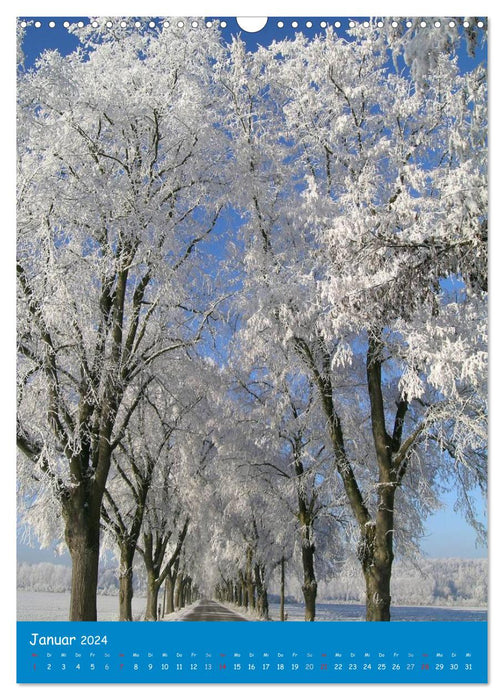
283	447
143	452
164	531
352	264
239	529
117	187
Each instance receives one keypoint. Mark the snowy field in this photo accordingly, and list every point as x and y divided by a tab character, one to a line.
352	611
54	606
32	605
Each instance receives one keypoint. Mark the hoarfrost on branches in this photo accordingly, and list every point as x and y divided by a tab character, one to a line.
258	281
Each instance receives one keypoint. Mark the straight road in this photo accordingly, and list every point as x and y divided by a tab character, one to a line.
210	611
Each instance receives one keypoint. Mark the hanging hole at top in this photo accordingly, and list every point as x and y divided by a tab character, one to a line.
252	24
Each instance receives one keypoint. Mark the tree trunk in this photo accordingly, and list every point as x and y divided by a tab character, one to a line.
262	594
244	590
152	599
185	587
170	603
82	536
251	603
376	556
310	596
309	586
126	584
377	594
282	590
379	550
178	586
85	556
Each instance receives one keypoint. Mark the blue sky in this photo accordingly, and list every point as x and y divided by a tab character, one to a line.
448	533
57	37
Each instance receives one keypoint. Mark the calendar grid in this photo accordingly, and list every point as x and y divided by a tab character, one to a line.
251	652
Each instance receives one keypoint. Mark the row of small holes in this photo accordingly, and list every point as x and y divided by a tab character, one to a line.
352	24
123	24
223	24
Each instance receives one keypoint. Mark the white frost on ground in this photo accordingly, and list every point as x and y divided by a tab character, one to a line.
33	605
37	606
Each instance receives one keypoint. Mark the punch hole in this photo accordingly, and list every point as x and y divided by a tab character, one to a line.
252	24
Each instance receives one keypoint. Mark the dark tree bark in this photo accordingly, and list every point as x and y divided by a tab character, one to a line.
169	593
306	517
94	423
163	610
309	586
244	589
375	550
262	593
153	552
152	598
178	591
127	535
186	591
378	545
84	552
126	584
282	589
251	601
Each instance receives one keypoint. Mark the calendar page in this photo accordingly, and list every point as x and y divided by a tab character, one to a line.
252	350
